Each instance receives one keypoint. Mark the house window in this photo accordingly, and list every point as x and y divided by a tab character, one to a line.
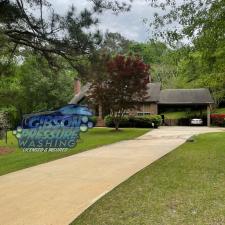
143	113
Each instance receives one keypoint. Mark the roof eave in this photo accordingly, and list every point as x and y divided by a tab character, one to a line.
185	103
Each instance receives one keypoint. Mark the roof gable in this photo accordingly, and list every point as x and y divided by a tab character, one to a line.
153	92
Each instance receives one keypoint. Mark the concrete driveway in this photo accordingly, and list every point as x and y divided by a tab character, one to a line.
55	193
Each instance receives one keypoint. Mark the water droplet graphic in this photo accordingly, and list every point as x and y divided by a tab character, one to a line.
19	129
83	128
90	124
84	119
18	135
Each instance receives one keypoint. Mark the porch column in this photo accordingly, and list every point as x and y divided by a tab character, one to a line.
208	115
100	120
100	116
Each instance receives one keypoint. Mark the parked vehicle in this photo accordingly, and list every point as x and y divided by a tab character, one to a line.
196	121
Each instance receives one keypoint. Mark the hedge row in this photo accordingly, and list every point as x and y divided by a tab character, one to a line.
218	116
218	120
136	121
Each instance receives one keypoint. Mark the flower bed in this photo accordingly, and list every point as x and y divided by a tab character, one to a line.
218	120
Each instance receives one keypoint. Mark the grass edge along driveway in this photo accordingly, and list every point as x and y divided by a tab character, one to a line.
95	137
184	187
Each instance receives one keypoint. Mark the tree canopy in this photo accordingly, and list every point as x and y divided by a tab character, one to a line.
122	81
24	23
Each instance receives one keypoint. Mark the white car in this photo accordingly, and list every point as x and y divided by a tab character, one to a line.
196	122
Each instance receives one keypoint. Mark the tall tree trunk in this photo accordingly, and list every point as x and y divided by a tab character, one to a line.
117	125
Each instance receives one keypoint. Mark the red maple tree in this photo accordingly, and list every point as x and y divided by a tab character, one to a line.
122	83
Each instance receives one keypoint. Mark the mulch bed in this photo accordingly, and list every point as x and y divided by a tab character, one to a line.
5	150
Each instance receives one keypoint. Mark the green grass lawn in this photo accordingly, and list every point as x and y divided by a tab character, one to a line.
219	110
185	187
95	137
183	114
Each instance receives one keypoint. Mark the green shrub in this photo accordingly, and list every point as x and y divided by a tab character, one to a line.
4	124
108	121
4	121
123	123
156	119
218	120
12	117
93	119
136	121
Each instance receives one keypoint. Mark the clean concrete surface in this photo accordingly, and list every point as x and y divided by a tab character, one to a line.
55	193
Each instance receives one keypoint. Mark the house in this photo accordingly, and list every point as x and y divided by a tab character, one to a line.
157	99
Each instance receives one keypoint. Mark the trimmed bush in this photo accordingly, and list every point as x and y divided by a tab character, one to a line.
93	119
108	121
123	123
218	116
218	120
136	121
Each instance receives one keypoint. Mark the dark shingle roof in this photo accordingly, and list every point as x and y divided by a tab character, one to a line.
153	92
185	96
166	96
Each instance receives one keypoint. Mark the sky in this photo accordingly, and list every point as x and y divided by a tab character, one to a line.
129	24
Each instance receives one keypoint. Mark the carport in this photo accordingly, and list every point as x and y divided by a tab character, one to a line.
196	98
